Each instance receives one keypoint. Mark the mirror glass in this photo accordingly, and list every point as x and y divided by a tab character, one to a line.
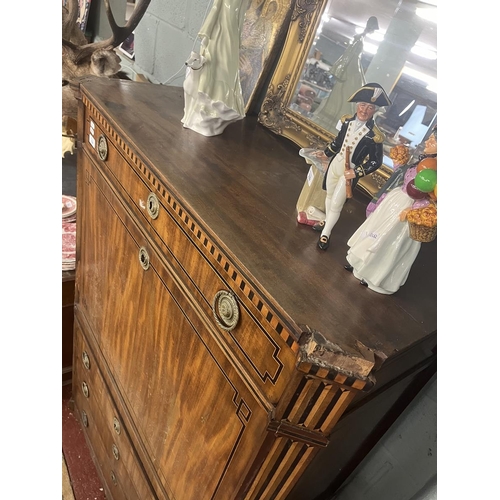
391	42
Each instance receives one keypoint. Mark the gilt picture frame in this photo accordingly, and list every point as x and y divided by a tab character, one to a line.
264	29
275	113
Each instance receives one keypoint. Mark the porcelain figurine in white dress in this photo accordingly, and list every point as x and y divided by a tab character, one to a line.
213	97
381	251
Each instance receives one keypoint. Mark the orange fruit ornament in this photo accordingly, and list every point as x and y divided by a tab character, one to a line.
430	163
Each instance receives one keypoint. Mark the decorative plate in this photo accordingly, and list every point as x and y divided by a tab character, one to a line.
68	206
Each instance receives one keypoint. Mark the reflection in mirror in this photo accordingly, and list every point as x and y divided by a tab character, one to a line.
391	42
400	55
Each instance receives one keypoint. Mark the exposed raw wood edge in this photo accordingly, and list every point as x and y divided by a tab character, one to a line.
323	359
377	357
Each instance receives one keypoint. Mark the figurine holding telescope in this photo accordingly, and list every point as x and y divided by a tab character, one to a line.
355	152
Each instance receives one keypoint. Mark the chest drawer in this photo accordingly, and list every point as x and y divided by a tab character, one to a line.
253	333
105	429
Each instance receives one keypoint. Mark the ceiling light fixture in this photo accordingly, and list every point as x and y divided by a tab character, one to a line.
428	13
370	48
378	36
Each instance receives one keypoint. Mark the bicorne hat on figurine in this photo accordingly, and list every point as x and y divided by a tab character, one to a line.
372	93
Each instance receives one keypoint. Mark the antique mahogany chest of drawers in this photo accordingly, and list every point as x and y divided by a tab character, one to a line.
217	353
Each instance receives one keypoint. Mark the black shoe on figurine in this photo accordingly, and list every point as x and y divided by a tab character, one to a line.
318	226
323	243
363	282
349	268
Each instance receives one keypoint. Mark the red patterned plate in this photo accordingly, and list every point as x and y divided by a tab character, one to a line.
68	206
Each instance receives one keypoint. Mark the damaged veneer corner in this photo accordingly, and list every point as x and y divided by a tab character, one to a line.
316	350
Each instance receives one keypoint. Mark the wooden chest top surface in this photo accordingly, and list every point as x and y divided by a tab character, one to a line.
242	187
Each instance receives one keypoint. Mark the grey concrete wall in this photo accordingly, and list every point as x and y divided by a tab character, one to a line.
165	37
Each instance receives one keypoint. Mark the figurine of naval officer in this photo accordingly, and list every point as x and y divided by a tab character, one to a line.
365	142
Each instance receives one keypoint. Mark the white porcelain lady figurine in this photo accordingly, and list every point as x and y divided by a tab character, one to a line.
213	97
381	251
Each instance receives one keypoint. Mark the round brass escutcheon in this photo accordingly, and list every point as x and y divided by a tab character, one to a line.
113	478
86	360
116	453
153	206
102	147
85	389
144	258
116	425
225	309
85	420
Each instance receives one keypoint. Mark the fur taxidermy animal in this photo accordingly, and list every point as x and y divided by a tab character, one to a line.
81	58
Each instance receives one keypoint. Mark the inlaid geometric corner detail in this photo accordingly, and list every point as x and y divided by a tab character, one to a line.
317	406
280	470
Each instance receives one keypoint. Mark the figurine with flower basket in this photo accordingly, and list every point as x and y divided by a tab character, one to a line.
401	218
422	218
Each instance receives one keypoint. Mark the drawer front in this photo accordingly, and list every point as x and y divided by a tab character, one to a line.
186	397
258	340
105	429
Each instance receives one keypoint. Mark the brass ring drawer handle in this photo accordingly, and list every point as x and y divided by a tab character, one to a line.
153	206
116	453
144	258
225	309
85	420
102	147
85	389
116	425
86	360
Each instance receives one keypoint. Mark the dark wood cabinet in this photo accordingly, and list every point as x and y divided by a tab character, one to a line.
68	298
216	349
